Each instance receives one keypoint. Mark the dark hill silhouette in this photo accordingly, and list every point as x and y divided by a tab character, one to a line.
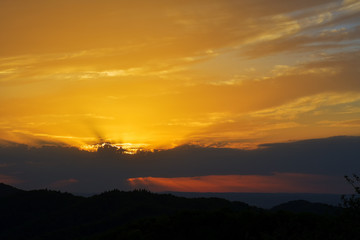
140	214
6	190
31	214
302	206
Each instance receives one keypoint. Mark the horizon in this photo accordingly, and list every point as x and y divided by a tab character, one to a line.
262	200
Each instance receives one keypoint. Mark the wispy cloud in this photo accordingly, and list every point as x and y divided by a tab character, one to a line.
155	72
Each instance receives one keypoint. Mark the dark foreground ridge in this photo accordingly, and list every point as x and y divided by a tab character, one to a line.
6	190
46	214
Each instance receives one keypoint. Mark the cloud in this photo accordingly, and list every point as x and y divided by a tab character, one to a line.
154	72
348	123
303	105
111	24
331	26
9	179
315	162
335	38
163	111
274	183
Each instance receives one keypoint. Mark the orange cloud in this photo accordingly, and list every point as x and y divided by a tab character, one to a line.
276	183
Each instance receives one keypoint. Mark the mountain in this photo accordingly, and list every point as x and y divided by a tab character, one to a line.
265	200
302	206
140	214
45	214
6	190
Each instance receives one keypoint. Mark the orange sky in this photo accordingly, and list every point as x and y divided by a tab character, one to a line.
164	73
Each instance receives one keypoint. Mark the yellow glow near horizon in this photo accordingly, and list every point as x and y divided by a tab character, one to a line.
127	148
166	73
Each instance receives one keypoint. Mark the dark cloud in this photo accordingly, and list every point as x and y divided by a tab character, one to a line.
79	171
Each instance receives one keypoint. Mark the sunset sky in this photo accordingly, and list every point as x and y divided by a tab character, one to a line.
160	74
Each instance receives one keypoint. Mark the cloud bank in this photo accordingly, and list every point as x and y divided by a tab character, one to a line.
316	165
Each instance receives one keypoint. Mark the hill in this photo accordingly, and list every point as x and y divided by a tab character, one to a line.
265	200
48	214
302	206
139	214
6	190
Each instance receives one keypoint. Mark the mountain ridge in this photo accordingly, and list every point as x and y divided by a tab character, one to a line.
140	214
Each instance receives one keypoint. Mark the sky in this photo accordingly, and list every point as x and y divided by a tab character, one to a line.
227	74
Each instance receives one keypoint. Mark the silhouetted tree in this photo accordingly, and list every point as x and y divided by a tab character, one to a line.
353	202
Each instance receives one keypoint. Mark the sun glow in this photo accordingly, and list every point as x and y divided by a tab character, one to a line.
123	148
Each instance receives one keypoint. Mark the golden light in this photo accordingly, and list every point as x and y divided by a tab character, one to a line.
124	148
162	75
